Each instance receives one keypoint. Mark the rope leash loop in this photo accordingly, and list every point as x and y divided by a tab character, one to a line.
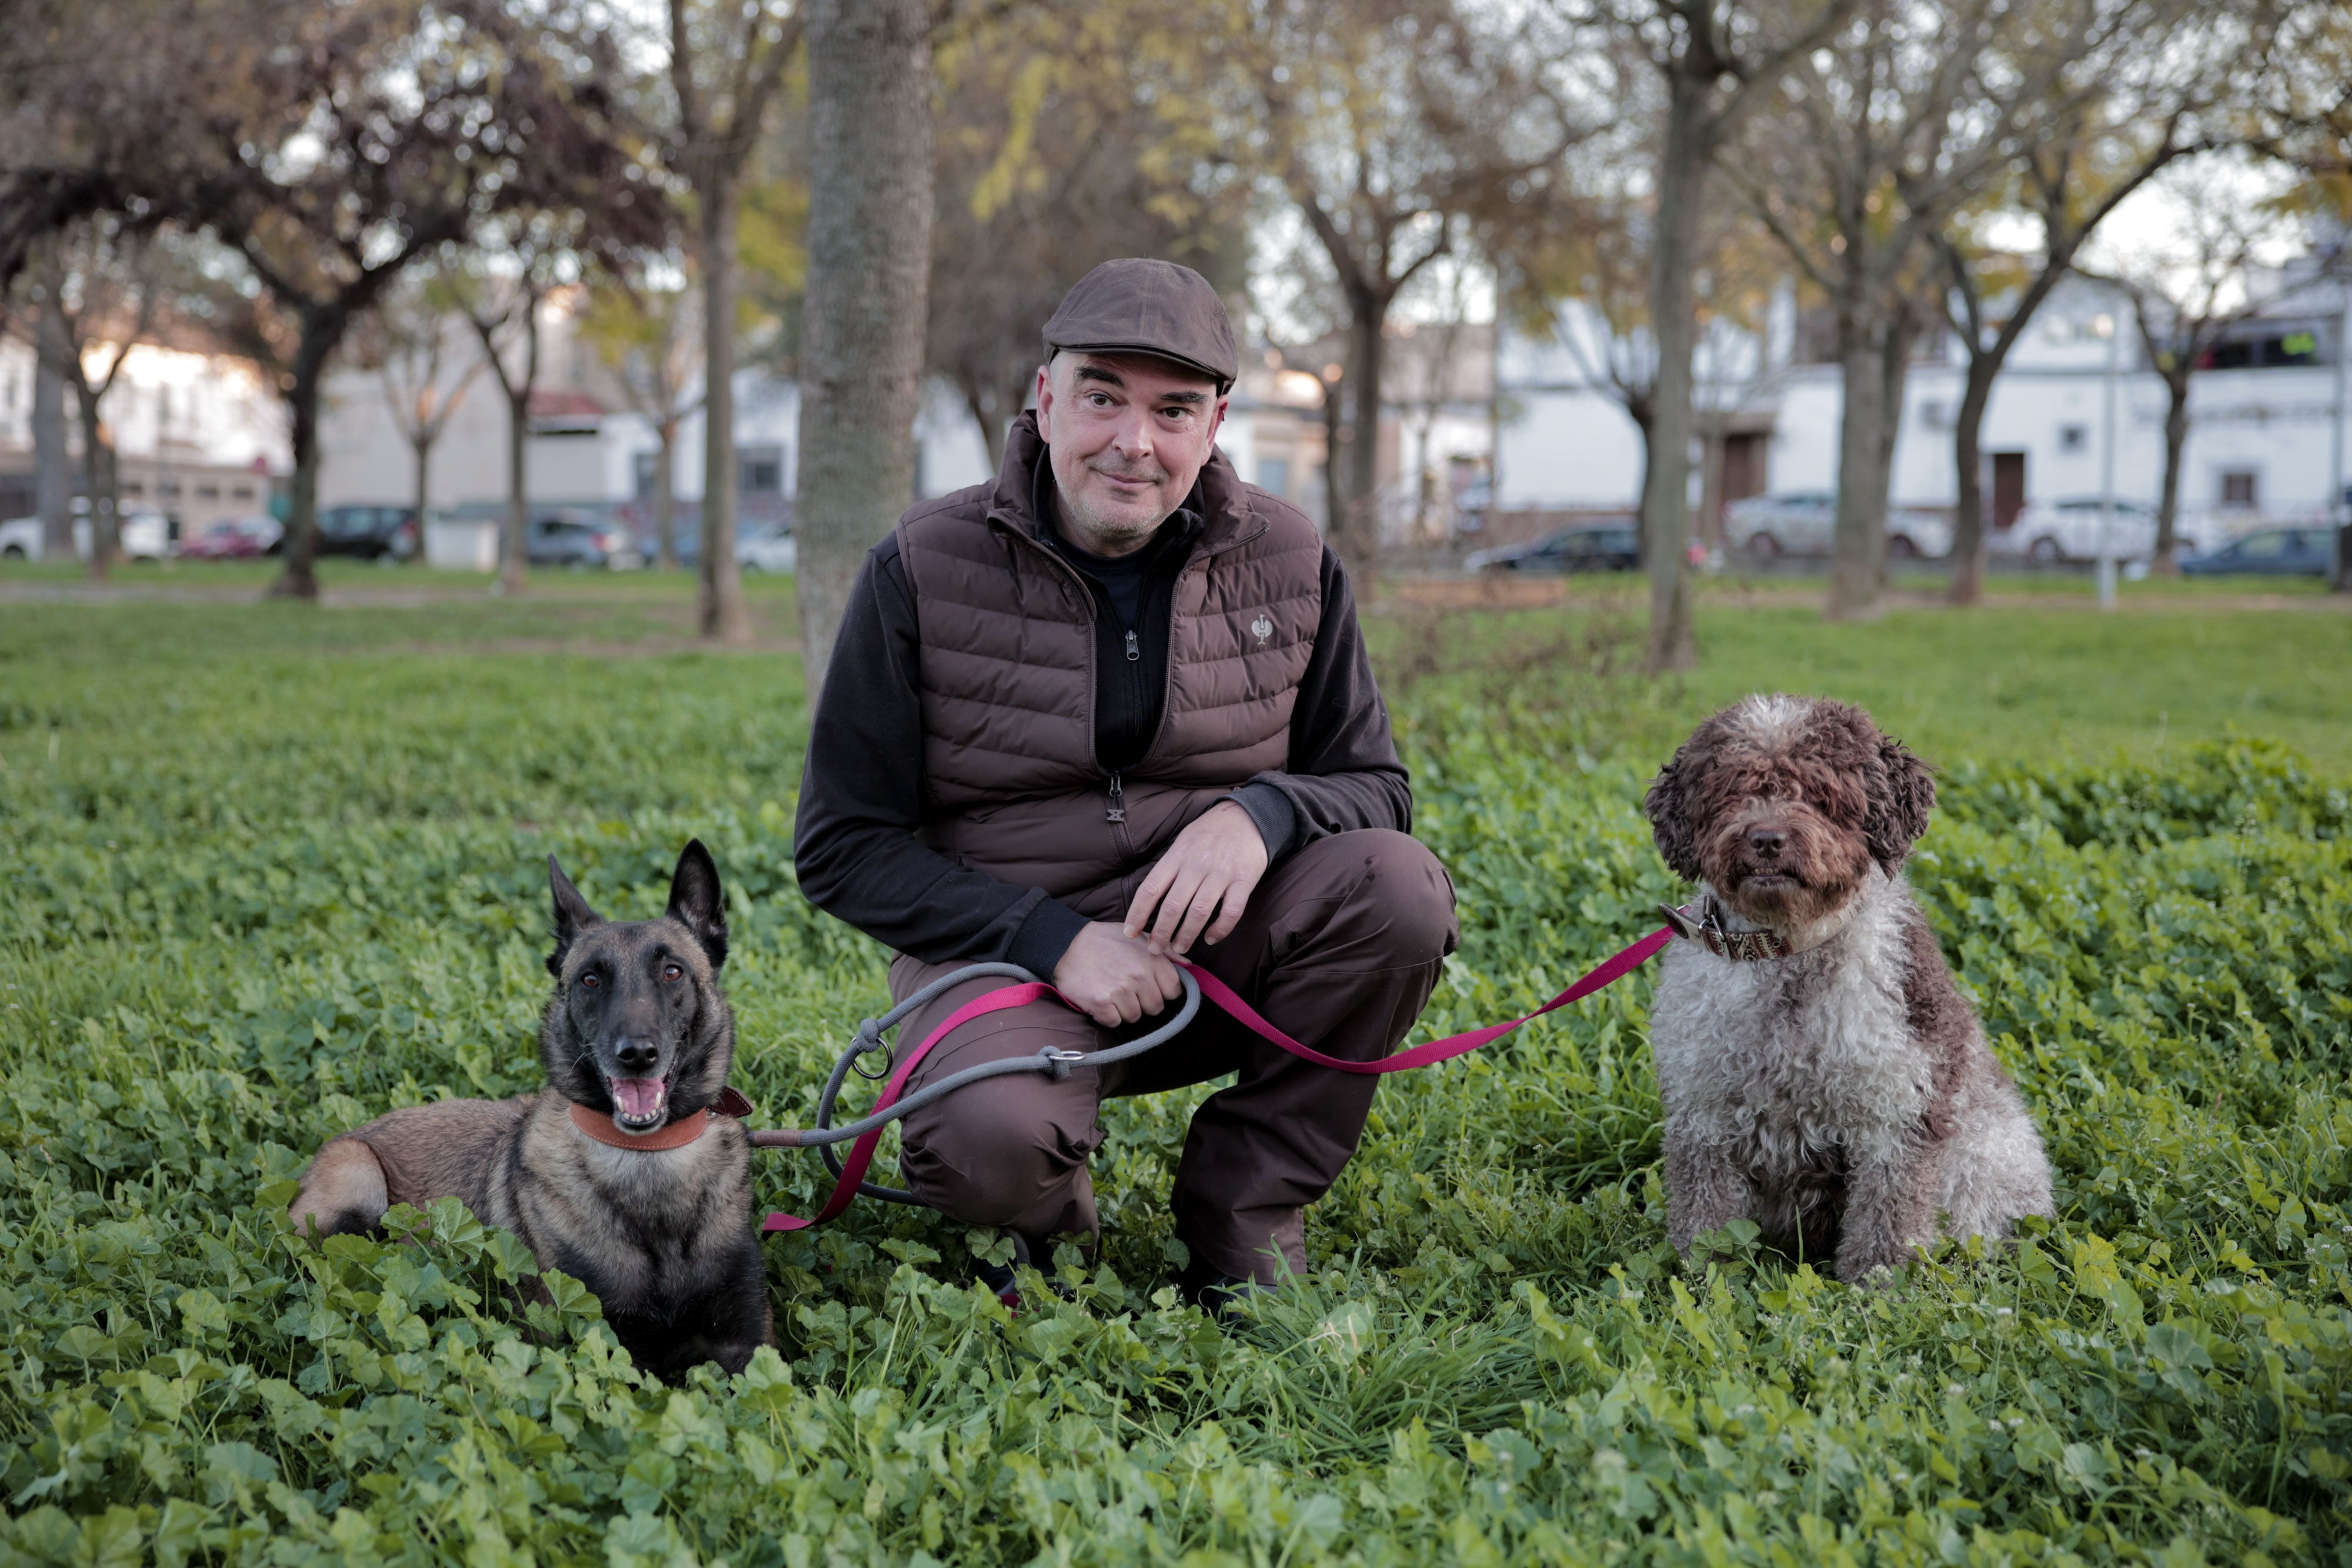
1055	1062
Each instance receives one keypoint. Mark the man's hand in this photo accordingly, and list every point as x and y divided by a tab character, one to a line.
1208	871
1114	979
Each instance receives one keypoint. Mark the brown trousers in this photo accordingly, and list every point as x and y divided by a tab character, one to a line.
1339	947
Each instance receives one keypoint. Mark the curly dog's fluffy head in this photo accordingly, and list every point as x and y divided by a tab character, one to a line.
1782	804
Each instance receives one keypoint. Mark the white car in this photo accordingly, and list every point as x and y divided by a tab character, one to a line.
1805	523
767	550
146	535
2055	531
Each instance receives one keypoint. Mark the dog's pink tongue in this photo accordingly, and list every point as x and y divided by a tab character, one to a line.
638	1098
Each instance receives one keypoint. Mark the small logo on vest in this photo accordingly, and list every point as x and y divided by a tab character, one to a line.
1262	628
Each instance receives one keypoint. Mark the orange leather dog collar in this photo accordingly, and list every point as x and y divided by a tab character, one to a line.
677	1135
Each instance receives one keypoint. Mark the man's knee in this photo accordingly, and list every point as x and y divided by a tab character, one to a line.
1403	888
992	1151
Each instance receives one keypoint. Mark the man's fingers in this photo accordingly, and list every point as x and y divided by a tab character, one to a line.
1197	913
1236	900
1147	896
1185	888
1172	983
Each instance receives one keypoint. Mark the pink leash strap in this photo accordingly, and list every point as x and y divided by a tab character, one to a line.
861	1153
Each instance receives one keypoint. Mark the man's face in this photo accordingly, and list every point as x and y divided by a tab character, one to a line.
1128	434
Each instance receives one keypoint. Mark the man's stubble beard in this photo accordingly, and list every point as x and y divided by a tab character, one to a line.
1103	535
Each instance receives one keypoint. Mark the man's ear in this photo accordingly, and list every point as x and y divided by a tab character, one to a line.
697	902
1668	804
572	915
1045	403
1902	794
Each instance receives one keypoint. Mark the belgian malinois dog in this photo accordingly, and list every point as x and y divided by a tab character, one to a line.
618	1173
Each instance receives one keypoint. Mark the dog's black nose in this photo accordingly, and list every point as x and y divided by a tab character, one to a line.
1767	841
637	1056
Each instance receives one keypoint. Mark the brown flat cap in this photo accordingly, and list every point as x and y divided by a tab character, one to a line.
1139	306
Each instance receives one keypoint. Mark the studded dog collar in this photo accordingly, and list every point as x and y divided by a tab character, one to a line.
1739	947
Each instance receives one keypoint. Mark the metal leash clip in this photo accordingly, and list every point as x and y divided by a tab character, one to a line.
869	1040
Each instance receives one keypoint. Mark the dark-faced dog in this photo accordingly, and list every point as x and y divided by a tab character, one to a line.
617	1172
1822	1073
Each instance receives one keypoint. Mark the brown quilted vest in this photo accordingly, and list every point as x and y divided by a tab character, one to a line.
1010	782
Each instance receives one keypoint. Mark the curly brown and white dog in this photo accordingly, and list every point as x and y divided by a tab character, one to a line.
1822	1075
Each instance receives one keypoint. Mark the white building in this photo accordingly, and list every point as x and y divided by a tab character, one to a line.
197	435
2267	415
586	448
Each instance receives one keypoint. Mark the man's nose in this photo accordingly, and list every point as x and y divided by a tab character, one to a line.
635	1057
1767	841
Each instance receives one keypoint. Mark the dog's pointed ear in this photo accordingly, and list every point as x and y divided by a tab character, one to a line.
572	915
1902	794
1668	804
697	902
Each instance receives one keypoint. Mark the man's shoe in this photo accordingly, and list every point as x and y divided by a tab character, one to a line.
1212	1289
998	1277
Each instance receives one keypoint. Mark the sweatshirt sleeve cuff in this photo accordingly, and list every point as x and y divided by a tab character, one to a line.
1045	936
1270	808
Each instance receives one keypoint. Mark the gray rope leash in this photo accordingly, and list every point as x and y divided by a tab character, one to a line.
1053	1063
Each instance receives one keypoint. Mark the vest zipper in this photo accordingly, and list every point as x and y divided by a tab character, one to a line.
1134	652
1116	810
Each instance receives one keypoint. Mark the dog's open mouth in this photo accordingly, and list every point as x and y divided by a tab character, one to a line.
1767	881
638	1103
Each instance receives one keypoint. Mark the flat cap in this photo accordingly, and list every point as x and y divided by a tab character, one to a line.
1139	306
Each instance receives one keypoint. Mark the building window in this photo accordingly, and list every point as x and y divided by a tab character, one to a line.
762	470
208	492
241	493
1274	475
2239	490
135	489
644	471
2073	438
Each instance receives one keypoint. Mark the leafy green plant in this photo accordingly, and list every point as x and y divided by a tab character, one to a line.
258	892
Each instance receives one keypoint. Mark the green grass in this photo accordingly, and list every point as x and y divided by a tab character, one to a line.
271	868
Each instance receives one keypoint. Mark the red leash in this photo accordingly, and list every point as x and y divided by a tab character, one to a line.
861	1153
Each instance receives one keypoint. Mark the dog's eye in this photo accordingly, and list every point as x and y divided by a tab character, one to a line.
672	972
590	981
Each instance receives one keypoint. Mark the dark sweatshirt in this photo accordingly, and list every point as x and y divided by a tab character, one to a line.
857	847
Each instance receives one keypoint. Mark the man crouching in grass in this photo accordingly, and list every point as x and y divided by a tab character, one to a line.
1113	709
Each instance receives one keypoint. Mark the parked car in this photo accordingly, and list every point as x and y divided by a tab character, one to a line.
370	533
145	536
1610	545
760	545
238	538
574	539
1805	523
2055	531
2272	552
767	546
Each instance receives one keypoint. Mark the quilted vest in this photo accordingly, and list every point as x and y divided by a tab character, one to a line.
1010	782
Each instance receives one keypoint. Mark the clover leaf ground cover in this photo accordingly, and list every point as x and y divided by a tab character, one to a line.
271	870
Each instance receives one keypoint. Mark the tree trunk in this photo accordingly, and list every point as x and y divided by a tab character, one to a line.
719	594
1859	531
1893	371
2175	443
300	578
1355	533
1713	437
1665	483
1972	540
422	447
98	484
1335	432
666	494
52	466
514	549
869	226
